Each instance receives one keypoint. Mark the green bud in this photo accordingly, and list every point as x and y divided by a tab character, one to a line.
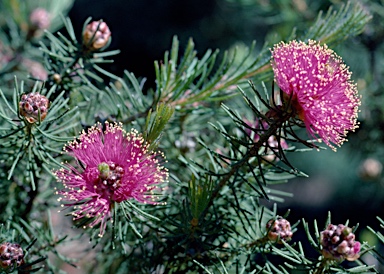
103	170
347	231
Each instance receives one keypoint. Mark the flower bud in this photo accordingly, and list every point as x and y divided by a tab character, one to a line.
279	229
338	243
370	169
104	170
96	35
39	19
57	78
11	255
31	104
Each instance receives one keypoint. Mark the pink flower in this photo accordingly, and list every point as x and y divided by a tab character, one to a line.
112	167
320	88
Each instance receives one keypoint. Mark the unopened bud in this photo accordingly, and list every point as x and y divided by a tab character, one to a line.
39	19
33	104
96	35
194	222
279	229
11	256
57	78
370	169
104	170
338	243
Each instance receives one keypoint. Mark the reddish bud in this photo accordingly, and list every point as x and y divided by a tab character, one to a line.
96	35
31	104
338	243
279	229
11	255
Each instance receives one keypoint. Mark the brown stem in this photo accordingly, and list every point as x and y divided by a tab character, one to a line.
252	152
258	242
321	267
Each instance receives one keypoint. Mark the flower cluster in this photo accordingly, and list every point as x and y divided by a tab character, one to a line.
279	229
96	35
32	106
11	256
115	166
318	86
338	243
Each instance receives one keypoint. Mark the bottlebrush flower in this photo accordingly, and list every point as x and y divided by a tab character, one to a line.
113	167
338	243
320	88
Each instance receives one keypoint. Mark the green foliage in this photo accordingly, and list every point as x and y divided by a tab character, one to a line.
337	26
195	80
376	252
156	126
36	243
35	141
126	101
29	151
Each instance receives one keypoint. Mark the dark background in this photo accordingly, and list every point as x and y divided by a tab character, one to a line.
143	30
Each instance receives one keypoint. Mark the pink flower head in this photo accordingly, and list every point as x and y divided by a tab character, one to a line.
320	88
113	166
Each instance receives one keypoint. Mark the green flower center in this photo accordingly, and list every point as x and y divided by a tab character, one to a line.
110	174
